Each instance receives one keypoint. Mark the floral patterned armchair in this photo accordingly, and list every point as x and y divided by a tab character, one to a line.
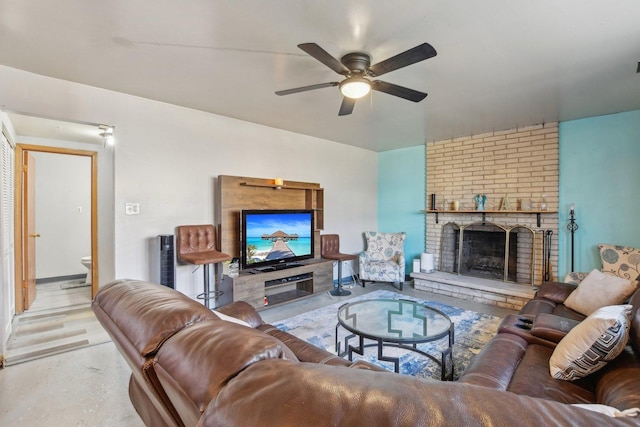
383	260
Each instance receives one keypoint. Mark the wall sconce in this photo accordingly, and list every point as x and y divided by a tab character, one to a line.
106	132
278	182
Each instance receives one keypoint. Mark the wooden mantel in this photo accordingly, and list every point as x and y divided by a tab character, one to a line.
538	213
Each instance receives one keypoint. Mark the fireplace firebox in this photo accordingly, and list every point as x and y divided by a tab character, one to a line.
488	251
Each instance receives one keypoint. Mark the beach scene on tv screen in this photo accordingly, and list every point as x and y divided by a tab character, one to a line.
277	236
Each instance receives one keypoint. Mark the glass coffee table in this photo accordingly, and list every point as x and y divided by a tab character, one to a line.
396	323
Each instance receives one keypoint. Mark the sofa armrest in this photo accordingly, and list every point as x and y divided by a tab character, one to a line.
243	311
555	291
551	327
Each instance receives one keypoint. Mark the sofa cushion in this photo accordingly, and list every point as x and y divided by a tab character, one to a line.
532	379
563	311
598	290
621	261
194	364
551	327
538	305
618	384
601	337
555	291
149	314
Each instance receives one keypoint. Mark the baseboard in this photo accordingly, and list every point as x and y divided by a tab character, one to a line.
60	278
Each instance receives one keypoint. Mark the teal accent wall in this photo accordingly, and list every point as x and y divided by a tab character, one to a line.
600	173
401	195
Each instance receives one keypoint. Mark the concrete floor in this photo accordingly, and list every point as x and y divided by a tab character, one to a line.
88	387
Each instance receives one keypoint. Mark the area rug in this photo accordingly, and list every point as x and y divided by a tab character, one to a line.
472	331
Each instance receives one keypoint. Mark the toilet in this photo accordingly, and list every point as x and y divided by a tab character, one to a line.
86	261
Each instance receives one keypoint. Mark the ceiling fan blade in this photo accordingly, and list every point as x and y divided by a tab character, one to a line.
323	56
395	90
411	56
306	88
347	106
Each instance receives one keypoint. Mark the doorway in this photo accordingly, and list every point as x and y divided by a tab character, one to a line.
26	236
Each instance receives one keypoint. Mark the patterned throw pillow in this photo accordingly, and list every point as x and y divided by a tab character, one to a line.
621	261
575	277
588	347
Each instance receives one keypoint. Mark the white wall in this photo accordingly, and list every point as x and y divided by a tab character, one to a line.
167	158
62	188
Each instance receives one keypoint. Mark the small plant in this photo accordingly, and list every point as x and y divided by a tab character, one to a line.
251	251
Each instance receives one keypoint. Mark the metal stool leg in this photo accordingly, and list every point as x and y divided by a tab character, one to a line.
208	295
206	285
338	291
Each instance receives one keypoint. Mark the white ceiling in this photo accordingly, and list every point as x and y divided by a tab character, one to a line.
500	63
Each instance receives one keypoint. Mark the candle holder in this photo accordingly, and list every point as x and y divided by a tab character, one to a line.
572	227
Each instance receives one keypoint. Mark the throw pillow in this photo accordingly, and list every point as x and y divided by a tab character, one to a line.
574	277
231	319
598	290
621	261
588	347
608	410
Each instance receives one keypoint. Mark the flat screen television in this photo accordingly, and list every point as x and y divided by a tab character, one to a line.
273	239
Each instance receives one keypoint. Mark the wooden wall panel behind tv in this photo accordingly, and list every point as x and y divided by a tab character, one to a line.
236	193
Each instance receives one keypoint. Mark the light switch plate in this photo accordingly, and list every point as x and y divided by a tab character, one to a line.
132	208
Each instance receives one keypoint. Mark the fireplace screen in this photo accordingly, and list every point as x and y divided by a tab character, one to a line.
488	251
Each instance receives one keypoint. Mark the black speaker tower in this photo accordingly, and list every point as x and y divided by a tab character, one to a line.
167	261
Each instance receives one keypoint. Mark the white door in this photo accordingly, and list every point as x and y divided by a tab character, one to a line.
7	286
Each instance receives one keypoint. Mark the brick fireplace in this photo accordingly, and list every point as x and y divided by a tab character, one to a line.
518	164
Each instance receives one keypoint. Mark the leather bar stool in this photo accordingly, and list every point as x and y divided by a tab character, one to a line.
330	249
197	245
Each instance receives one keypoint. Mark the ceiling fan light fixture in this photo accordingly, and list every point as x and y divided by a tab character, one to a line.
355	87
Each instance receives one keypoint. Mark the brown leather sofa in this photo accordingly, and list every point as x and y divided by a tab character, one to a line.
190	367
517	358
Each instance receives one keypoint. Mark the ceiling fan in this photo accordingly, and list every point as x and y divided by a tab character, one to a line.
357	69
